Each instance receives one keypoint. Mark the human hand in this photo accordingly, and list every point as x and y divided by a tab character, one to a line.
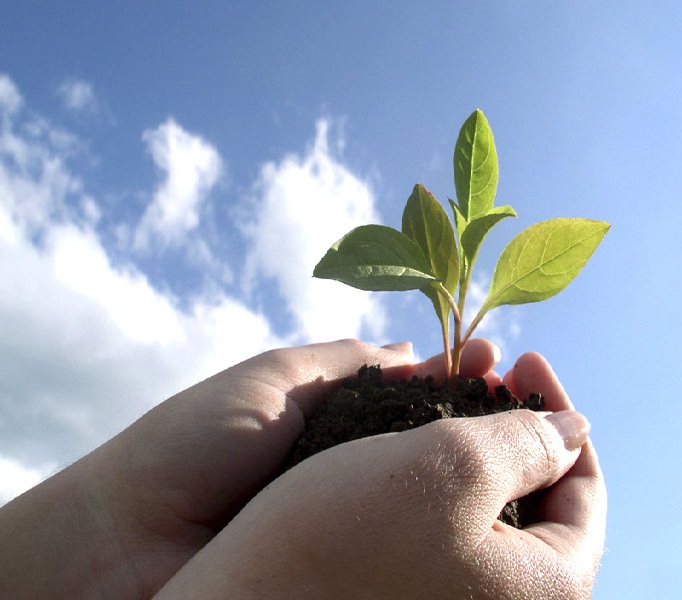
414	514
121	521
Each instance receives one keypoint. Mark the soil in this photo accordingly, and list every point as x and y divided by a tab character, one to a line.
366	406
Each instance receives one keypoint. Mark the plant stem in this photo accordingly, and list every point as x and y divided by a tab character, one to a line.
446	347
456	352
458	342
451	363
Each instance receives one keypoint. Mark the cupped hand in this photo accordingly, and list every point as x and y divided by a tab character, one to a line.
414	514
199	457
120	522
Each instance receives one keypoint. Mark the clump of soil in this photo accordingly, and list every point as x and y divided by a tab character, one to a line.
368	406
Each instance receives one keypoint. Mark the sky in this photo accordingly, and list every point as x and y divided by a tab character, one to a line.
171	172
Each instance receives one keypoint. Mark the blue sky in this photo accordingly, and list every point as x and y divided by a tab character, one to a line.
171	172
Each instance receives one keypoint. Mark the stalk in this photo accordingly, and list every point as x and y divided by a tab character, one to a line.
451	362
454	372
446	346
458	342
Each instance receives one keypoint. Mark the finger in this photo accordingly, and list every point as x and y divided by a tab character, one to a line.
577	500
493	379
574	528
306	374
533	374
219	441
422	488
509	455
478	358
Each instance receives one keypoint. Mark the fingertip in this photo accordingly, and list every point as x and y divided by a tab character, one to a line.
400	347
479	356
395	359
573	427
497	354
532	374
548	445
493	379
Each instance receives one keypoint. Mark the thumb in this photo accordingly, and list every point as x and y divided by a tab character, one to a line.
521	451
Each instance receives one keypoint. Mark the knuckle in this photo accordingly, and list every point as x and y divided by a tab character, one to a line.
466	456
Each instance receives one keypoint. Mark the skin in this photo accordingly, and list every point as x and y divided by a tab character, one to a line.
181	500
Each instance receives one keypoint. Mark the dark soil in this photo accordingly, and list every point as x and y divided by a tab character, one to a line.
368	406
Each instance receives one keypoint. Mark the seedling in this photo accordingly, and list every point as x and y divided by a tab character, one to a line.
432	256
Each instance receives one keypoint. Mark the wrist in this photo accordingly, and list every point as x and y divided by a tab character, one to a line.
56	541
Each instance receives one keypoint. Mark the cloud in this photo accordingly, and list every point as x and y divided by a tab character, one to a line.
88	347
78	96
88	343
191	167
304	204
10	99
14	479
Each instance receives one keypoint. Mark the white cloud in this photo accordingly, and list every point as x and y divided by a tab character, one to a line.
14	479
34	182
78	96
89	344
86	346
79	263
191	168
303	205
10	99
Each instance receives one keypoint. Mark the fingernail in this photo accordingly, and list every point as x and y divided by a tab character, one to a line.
399	347
572	427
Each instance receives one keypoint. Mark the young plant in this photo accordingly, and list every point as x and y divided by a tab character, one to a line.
432	256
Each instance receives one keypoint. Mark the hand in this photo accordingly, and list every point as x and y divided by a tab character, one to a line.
120	522
413	514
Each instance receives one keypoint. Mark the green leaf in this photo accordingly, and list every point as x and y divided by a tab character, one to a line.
475	167
476	230
426	222
376	258
460	219
542	260
460	226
